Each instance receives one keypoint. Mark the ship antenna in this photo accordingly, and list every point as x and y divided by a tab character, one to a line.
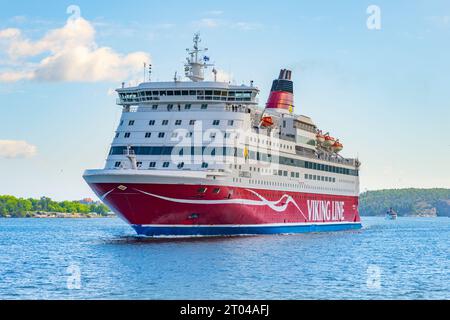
149	73
194	67
145	70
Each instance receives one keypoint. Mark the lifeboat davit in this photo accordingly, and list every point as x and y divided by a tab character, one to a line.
329	141
337	146
320	137
266	121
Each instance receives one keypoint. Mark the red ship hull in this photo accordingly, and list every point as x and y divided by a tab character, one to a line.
190	210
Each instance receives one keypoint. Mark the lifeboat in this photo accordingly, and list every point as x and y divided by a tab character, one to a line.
320	137
266	121
337	146
329	141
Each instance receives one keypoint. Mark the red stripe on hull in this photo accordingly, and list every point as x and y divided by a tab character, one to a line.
152	204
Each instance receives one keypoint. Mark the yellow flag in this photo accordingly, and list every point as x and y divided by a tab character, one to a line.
291	109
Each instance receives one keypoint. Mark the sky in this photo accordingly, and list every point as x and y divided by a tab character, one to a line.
377	77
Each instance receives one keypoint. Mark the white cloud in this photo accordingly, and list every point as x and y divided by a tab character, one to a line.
246	26
215	23
16	149
208	23
69	53
214	13
222	76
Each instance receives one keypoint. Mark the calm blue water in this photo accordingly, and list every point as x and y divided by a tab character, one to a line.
405	259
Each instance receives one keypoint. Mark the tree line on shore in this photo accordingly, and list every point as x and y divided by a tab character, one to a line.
20	207
406	202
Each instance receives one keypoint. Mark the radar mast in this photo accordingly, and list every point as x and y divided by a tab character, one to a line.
196	64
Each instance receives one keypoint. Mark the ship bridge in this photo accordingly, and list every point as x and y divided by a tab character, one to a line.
186	91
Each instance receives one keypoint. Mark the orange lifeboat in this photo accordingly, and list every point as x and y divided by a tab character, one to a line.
266	121
320	137
329	140
337	146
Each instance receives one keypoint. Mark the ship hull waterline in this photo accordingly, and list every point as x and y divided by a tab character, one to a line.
154	209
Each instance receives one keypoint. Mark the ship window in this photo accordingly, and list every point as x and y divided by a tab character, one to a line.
192	122
152	165
155	107
306	176
139	164
230	122
170	93
213	135
169	107
117	164
165	122
178	93
162	93
121	122
180	165
127	134
161	135
166	164
151	123
297	175
188	107
216	122
148	134
192	93
156	93
292	174
205	165
131	123
188	134
204	106
174	134
185	92
202	190
285	173
178	123
117	134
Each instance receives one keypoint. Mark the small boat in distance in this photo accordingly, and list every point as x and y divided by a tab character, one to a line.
391	214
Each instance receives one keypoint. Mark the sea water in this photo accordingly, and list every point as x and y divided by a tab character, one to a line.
103	259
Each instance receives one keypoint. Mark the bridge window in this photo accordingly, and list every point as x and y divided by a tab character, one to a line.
131	123
148	134
161	135
165	122
166	164
117	164
178	123
152	165
151	123
127	135
216	122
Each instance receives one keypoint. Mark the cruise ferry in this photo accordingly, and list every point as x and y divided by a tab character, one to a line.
198	157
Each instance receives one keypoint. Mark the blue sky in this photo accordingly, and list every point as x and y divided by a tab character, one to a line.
384	93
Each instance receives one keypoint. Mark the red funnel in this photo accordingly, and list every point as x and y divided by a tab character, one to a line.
282	93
